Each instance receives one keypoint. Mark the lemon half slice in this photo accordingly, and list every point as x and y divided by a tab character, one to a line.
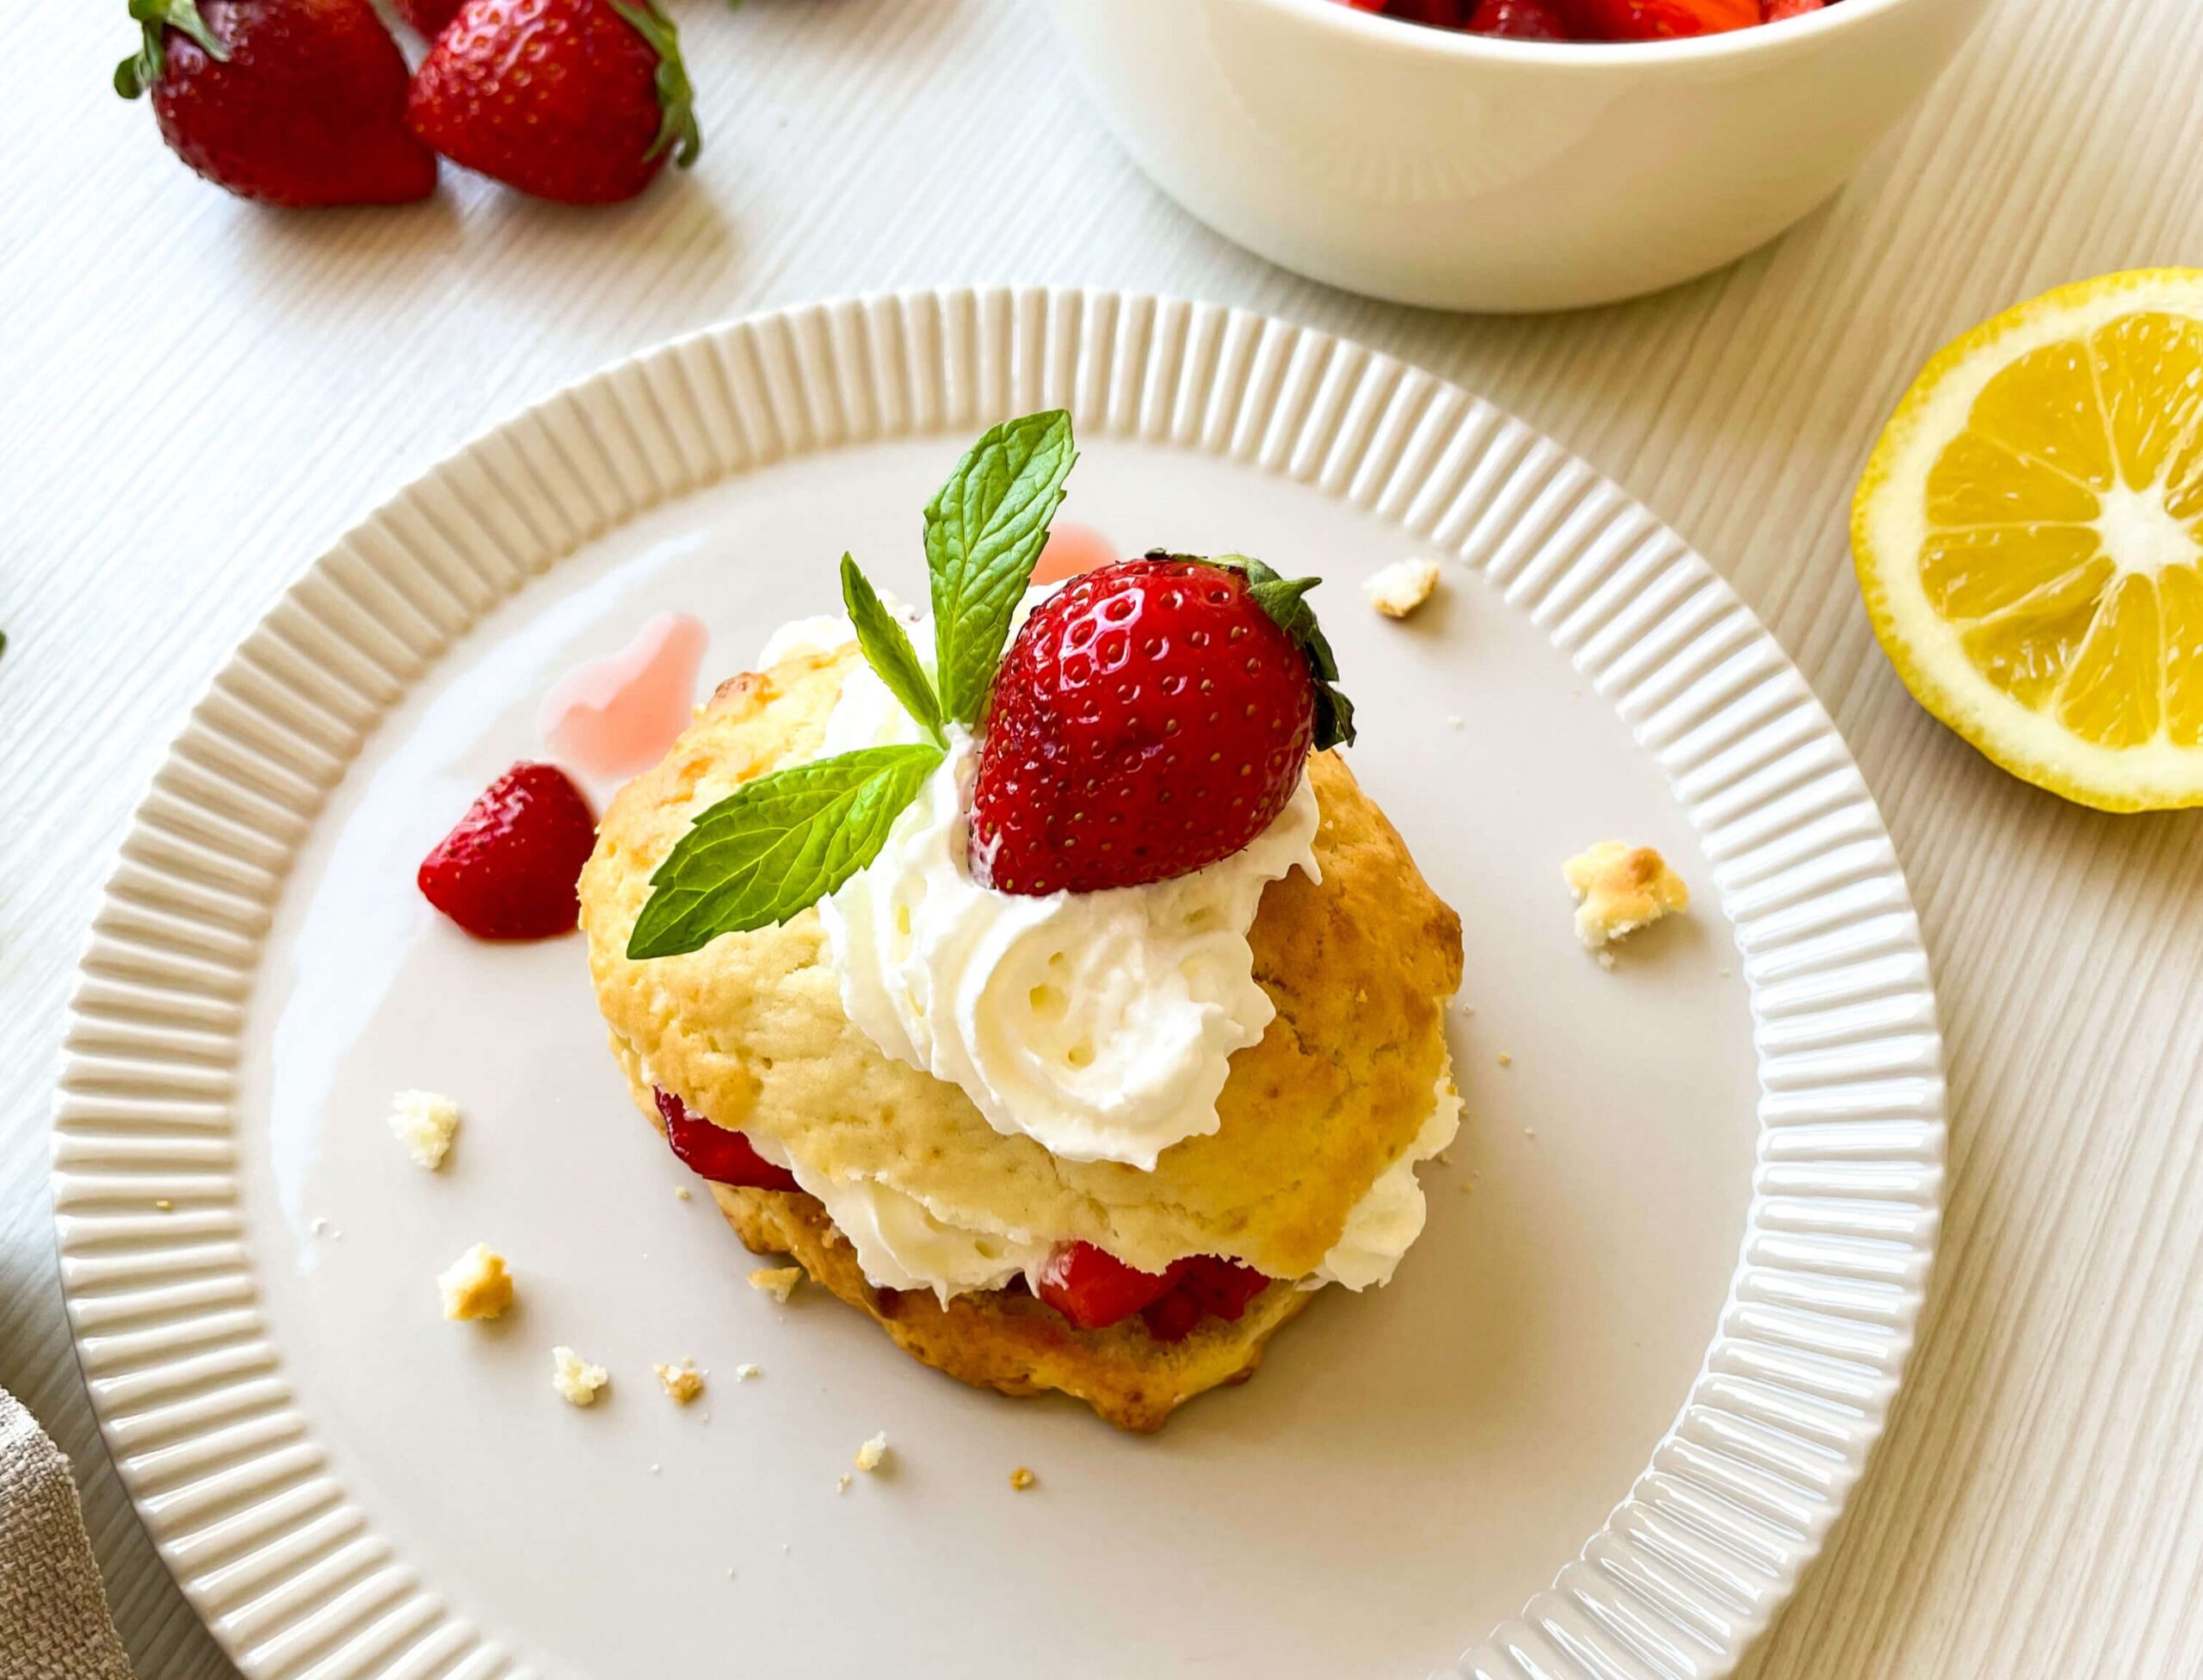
2029	539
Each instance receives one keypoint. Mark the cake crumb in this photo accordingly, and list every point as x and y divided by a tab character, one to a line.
654	1468
778	1281
1452	722
681	1193
1620	889
1506	1060
318	1225
681	1382
874	1452
575	1381
1398	589
425	1123
476	1285
1444	1158
744	1372
1020	1478
161	1204
842	1482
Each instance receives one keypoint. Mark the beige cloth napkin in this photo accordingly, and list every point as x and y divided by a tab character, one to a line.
54	1621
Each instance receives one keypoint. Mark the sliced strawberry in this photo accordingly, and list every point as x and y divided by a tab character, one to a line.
1172	1317
716	1153
1657	19
510	869
1519	20
1221	1287
1094	1289
1777	10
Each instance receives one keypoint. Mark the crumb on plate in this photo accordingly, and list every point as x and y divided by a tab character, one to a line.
1620	889
744	1372
574	1379
683	1382
1020	1478
1398	589
161	1204
1506	1060
476	1284
778	1281
874	1452
842	1482
425	1123
681	1193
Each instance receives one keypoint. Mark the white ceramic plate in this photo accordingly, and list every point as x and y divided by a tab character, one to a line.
1674	1263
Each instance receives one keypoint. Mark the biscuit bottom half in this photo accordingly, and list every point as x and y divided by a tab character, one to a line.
1006	1340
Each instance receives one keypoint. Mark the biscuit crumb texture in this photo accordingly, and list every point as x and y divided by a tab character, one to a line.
1020	1478
476	1284
683	1382
874	1452
1620	889
748	1372
778	1281
1398	589
574	1379
425	1123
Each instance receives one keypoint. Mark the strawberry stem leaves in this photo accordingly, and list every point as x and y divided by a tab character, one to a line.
676	131
984	529
886	648
777	845
1285	600
155	19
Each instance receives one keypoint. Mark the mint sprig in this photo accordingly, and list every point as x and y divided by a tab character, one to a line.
984	529
886	648
777	845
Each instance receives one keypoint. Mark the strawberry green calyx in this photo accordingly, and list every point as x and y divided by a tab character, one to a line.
156	18
1284	600
677	131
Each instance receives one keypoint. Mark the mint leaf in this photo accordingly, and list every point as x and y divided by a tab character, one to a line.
984	531
886	648
776	845
1285	600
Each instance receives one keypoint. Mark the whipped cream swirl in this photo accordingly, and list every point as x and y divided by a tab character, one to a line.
1102	1024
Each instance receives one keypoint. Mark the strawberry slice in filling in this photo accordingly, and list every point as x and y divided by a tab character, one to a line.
1094	1289
714	1152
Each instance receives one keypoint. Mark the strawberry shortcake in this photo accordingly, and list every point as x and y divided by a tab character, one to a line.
1053	995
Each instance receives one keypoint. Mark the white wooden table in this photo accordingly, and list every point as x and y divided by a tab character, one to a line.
199	397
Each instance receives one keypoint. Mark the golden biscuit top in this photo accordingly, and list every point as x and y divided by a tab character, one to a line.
749	1030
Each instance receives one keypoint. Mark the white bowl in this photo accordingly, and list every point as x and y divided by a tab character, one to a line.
1462	172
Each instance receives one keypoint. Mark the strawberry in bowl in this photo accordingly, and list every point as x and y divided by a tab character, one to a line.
1591	20
1038	976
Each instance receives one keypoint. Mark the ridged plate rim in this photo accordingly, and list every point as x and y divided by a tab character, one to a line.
1840	1232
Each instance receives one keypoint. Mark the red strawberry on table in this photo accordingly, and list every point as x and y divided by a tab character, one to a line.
578	101
427	17
510	869
1151	718
297	103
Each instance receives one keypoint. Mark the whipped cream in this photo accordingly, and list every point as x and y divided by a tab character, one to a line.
1102	1025
1384	1225
901	1245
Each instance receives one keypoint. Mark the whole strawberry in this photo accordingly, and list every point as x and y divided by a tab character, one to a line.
579	100
298	102
509	870
1151	718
